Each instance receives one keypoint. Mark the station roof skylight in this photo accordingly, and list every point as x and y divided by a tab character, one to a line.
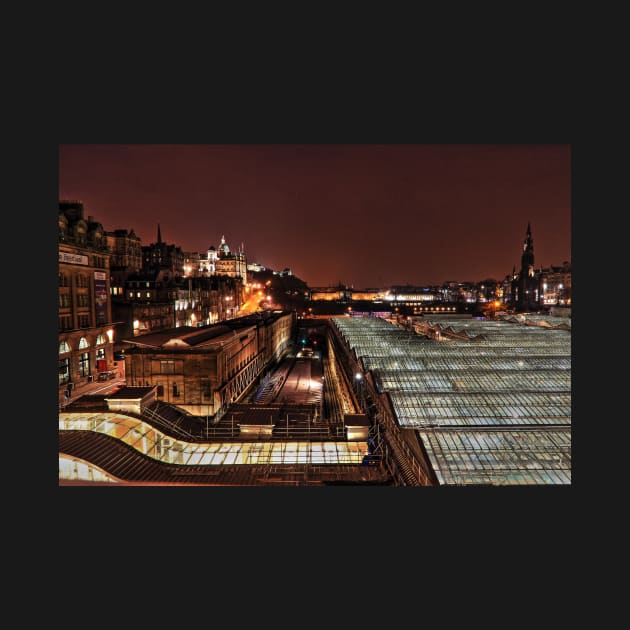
493	406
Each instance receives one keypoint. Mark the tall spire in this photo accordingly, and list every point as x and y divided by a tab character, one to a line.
528	247
527	260
159	235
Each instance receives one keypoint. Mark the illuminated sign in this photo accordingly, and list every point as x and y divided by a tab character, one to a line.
75	259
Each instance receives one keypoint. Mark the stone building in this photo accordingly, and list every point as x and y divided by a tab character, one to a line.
204	369
85	321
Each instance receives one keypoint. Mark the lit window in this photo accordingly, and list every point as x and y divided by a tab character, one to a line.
64	347
64	371
167	367
100	340
83	343
84	364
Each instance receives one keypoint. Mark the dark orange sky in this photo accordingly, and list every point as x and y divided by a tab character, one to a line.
365	215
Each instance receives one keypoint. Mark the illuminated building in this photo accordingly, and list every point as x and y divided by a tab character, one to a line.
204	300
221	261
203	370
146	304
277	436
409	295
340	293
85	320
556	285
230	263
367	294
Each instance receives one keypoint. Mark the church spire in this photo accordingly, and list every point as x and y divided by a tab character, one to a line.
159	235
528	247
527	260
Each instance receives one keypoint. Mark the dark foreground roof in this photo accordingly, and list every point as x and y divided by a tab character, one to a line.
130	393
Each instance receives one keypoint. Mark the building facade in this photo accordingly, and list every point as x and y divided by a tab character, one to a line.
556	285
201	301
125	258
221	261
160	255
203	370
86	332
229	263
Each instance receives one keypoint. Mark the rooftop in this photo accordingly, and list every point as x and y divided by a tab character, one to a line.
191	336
491	406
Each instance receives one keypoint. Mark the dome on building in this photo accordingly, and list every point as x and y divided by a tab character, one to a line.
223	248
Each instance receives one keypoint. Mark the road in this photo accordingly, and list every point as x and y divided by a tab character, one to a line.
251	305
95	388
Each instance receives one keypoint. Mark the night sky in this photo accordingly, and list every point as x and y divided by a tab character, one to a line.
364	215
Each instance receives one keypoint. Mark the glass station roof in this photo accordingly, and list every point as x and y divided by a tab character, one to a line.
152	442
500	457
491	407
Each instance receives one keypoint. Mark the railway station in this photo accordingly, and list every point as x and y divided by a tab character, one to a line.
397	401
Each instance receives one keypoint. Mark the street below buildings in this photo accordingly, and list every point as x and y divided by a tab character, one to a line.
251	305
93	388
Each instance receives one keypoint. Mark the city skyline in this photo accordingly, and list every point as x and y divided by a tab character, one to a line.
363	215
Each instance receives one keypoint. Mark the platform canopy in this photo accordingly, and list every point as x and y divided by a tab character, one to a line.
489	400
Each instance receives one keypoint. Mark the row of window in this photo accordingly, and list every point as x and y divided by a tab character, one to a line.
176	391
82	280
64	346
131	295
83	321
83	359
64	367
